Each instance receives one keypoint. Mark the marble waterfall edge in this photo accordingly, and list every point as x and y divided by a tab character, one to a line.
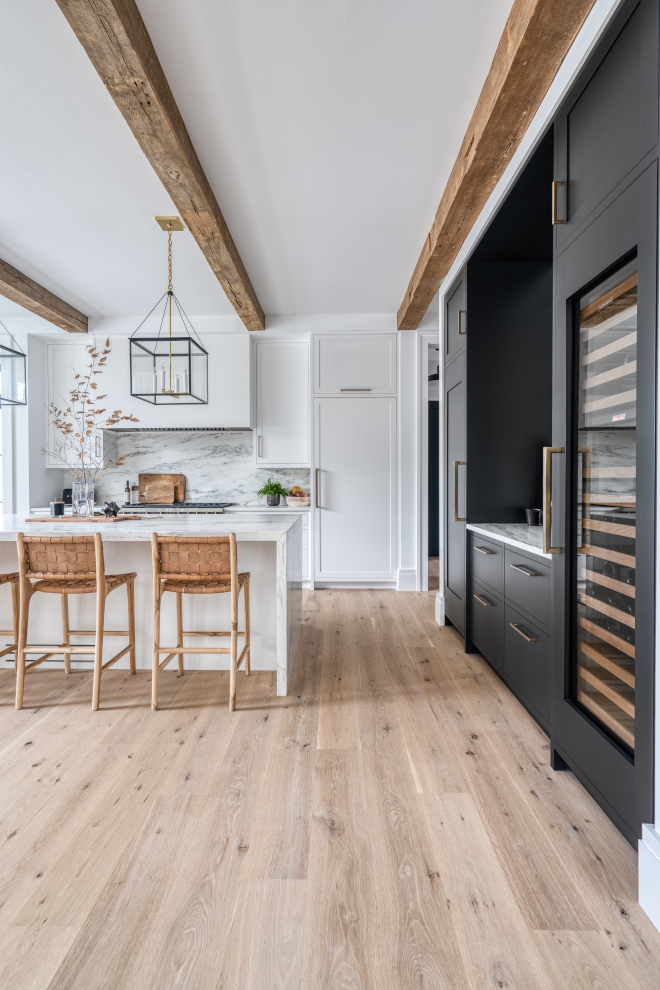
219	466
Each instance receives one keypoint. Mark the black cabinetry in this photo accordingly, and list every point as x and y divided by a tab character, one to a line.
508	619
604	422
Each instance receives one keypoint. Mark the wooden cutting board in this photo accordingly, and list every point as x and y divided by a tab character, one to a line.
160	492
178	480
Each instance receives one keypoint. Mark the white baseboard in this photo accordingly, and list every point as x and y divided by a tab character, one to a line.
649	873
406	579
440	609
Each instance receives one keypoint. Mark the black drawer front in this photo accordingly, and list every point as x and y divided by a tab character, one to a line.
487	627
487	562
527	661
528	585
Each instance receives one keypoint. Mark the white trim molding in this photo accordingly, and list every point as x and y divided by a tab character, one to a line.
440	609
649	873
406	579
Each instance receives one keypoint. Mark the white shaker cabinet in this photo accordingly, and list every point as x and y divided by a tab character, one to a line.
282	403
346	364
355	474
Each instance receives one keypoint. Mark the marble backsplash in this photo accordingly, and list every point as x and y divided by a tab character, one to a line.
218	466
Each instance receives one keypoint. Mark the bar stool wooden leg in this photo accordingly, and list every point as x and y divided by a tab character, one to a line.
15	605
98	646
155	663
179	628
22	640
246	602
234	647
66	638
130	592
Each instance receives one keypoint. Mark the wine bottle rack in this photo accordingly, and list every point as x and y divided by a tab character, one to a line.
604	681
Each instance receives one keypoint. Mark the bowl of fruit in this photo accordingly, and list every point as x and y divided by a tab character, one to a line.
297	497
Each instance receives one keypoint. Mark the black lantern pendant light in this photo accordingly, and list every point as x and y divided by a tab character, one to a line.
13	387
169	367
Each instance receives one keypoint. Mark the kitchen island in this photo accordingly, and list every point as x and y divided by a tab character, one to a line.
269	548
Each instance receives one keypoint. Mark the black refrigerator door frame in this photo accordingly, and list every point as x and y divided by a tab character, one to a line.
622	785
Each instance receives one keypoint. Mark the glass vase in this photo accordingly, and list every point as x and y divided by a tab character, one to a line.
82	497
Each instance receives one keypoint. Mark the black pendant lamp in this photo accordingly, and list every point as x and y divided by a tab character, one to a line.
13	384
169	366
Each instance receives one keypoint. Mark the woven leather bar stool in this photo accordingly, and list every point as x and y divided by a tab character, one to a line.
199	565
11	579
70	565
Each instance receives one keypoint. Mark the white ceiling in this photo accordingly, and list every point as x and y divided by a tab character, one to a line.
327	131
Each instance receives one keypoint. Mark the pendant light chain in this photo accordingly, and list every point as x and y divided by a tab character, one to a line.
169	297
169	257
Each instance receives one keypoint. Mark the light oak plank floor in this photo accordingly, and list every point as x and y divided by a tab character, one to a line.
393	824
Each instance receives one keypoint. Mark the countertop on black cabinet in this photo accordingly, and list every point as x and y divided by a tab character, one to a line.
529	538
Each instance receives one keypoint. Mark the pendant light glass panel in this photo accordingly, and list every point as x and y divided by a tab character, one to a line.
13	387
168	371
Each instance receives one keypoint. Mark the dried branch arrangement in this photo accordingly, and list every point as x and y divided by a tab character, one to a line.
81	421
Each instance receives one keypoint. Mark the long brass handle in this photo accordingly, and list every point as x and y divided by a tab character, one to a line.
547	497
483	601
462	322
457	518
355	390
523	570
555	186
316	489
259	454
483	550
514	625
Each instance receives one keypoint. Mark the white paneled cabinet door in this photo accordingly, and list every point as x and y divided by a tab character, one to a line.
282	403
355	470
360	362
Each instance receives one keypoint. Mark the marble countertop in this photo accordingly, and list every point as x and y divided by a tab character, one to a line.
519	535
251	527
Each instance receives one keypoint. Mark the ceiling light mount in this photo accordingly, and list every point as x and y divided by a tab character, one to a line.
169	223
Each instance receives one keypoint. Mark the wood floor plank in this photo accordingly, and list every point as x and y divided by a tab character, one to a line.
31	956
190	944
140	883
497	947
590	961
338	932
278	924
338	721
418	923
279	848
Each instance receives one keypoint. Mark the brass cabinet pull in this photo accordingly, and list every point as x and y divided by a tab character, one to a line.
547	497
462	322
259	454
483	601
457	518
523	570
483	550
316	489
555	186
355	390
514	625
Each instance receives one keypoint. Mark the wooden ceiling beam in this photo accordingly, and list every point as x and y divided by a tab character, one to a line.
30	295
116	40
536	38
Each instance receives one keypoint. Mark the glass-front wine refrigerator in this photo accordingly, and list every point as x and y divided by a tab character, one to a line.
603	507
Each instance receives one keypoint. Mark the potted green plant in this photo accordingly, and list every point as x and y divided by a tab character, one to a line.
272	490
